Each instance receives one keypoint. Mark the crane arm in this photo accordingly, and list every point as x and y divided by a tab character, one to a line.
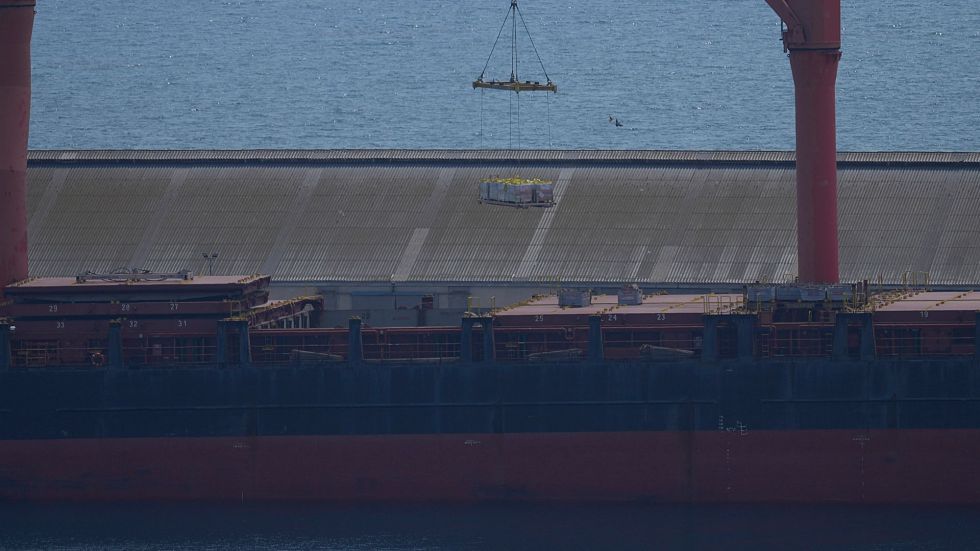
793	35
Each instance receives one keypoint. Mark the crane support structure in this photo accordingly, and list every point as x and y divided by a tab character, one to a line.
16	26
812	38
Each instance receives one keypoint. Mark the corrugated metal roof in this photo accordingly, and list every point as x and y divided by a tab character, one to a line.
618	218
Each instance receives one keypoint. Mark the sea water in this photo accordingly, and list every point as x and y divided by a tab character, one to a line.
678	74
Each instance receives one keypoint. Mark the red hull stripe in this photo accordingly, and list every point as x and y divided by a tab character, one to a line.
896	466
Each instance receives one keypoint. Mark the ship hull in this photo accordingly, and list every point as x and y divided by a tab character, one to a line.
727	465
732	431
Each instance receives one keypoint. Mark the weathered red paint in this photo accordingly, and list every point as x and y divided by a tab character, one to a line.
813	40
734	465
814	73
16	25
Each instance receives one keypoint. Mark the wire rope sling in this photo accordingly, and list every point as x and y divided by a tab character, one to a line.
514	84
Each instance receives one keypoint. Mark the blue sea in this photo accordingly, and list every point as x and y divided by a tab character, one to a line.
679	74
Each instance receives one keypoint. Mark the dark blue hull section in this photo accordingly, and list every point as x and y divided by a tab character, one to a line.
452	398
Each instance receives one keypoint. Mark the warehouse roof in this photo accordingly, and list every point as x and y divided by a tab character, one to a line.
414	215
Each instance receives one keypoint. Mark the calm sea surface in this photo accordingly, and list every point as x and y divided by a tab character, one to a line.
392	73
489	527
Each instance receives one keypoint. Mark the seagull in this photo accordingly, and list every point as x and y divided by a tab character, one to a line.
618	123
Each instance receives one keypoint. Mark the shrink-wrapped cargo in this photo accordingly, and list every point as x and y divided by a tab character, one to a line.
519	192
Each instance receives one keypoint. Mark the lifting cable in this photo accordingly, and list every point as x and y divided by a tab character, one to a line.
492	48
531	40
514	84
547	105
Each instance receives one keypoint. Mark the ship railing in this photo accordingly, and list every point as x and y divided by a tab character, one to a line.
94	354
652	345
37	353
409	351
897	340
569	344
276	346
287	353
283	347
721	304
797	340
913	280
179	352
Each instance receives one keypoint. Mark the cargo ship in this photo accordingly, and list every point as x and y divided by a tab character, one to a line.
629	397
169	385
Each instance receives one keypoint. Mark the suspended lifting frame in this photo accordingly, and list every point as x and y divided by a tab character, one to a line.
515	84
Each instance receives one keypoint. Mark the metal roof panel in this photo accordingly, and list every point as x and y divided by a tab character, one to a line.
618	219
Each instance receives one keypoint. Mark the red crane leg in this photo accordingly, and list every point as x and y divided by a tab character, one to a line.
812	37
815	75
16	25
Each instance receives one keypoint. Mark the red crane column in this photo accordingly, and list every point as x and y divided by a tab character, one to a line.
16	25
812	37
